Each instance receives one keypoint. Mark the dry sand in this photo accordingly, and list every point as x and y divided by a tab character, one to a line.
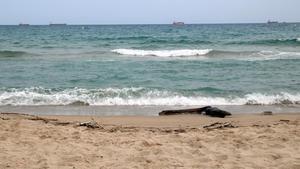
248	141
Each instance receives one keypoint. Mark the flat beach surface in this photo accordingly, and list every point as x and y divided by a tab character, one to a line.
189	141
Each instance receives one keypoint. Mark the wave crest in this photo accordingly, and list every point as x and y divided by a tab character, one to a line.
163	53
133	96
212	54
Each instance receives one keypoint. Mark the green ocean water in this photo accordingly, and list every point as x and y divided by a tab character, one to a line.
150	65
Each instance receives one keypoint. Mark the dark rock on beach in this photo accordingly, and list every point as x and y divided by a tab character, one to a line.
208	110
183	111
216	112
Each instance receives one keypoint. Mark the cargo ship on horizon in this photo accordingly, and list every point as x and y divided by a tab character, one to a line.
57	24
24	24
178	23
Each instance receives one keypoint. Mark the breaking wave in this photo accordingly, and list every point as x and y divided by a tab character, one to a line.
133	96
210	53
163	53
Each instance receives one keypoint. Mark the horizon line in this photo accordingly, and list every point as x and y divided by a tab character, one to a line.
95	24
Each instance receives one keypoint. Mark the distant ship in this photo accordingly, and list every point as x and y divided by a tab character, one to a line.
23	24
272	22
57	24
178	23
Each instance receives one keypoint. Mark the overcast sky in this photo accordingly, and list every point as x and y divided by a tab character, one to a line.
147	11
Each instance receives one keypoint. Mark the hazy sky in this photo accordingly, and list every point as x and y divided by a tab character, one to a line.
147	11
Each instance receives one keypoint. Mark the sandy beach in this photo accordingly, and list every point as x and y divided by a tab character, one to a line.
189	141
154	84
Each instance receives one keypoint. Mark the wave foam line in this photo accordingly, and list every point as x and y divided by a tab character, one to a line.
133	96
163	53
212	54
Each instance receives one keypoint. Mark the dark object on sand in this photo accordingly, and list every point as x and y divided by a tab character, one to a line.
267	113
91	124
215	112
183	111
219	126
285	121
210	111
3	118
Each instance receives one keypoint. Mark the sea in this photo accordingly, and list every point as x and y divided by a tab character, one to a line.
143	69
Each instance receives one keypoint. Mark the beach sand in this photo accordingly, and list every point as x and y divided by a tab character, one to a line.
245	141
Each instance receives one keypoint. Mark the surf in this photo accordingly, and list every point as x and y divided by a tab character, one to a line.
163	53
135	96
209	54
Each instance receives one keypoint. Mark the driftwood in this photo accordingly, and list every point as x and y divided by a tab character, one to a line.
215	112
90	124
183	111
285	121
30	117
45	120
3	118
219	125
208	110
62	123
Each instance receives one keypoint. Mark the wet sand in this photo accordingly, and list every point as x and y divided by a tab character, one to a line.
240	141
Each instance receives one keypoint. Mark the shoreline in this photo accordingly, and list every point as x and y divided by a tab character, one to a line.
181	121
141	110
184	141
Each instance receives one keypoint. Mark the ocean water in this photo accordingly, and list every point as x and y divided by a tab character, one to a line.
150	65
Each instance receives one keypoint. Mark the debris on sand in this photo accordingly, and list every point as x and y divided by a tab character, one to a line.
208	110
91	124
219	125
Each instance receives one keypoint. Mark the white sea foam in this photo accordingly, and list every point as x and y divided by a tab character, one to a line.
133	96
298	39
163	53
212	54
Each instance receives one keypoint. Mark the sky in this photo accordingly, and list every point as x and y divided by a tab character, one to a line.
147	11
